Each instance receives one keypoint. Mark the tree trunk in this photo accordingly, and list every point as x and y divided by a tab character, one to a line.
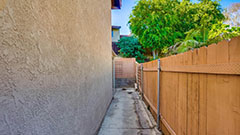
157	54
154	54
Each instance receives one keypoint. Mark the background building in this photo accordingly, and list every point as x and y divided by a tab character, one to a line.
115	38
115	33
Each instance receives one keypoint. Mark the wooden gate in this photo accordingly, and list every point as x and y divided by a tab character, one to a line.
125	72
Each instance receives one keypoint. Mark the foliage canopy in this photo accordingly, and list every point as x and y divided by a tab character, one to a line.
130	47
173	26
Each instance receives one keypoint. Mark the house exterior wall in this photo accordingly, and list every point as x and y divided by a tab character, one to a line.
116	35
55	66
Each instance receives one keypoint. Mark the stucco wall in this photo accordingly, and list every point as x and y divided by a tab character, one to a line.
55	66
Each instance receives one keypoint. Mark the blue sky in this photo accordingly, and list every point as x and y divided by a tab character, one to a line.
120	17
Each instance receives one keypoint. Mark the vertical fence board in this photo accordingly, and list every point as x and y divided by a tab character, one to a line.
170	116
155	92
175	95
182	100
234	49
212	115
163	96
222	52
193	99
182	104
222	95
146	87
202	93
145	77
188	61
234	103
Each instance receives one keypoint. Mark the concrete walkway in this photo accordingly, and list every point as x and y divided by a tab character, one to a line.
127	115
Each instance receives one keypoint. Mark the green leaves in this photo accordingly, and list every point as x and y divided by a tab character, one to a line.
152	21
175	26
221	31
195	38
130	47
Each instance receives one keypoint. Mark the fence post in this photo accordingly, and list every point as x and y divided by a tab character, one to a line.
142	79
158	96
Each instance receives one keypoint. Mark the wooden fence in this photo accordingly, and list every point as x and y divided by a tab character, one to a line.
199	90
125	67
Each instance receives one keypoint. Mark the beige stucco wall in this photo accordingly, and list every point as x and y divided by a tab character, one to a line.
55	66
116	35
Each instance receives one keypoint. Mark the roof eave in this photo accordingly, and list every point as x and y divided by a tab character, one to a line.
116	4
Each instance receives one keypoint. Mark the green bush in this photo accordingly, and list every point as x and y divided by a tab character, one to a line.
130	47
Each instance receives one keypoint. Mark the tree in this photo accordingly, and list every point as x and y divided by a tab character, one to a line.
221	31
216	33
208	13
130	47
162	23
232	15
151	21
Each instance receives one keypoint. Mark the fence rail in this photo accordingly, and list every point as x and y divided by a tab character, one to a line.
199	90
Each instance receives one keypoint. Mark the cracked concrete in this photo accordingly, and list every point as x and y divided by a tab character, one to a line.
127	115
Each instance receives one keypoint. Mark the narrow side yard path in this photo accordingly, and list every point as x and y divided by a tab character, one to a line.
127	115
